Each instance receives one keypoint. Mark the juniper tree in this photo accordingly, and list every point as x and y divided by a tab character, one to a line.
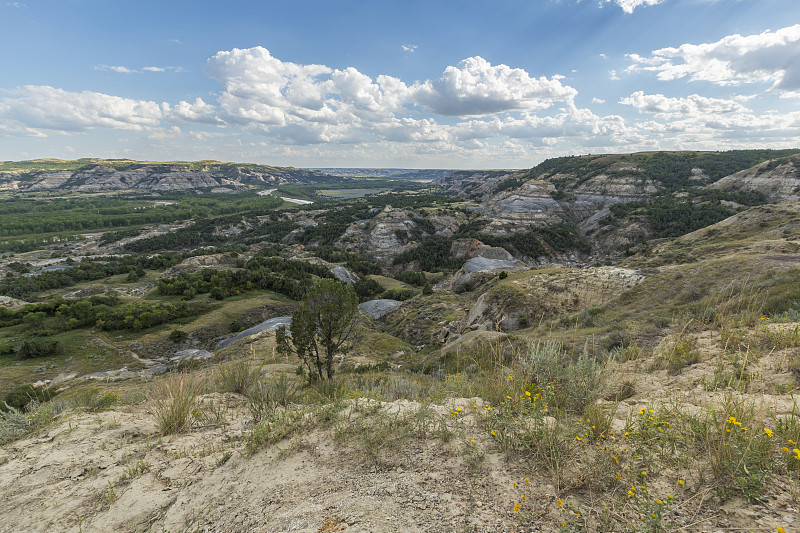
320	326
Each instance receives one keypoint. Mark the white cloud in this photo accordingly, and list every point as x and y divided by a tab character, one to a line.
597	100
154	69
476	87
769	56
307	104
612	75
199	112
692	105
46	108
409	47
259	88
115	68
629	5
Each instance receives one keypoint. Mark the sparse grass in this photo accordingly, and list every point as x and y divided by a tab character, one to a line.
265	397
274	427
92	399
740	453
173	400
238	376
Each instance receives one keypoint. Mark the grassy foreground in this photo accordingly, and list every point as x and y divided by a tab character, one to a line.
699	433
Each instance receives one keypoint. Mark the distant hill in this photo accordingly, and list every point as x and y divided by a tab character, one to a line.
118	174
388	173
624	199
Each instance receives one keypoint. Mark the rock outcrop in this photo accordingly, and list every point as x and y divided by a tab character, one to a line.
379	308
778	180
526	298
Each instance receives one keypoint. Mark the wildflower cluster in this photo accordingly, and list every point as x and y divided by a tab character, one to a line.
656	435
652	511
571	518
517	421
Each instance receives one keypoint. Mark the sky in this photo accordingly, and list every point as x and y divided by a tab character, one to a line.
411	84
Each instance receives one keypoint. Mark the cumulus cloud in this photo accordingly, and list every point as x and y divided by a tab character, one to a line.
733	60
409	47
629	5
476	87
198	112
259	88
47	108
597	100
293	104
308	104
692	105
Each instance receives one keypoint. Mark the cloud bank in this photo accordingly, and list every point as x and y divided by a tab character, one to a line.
733	60
474	109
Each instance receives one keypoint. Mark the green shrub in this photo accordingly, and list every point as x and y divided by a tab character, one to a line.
682	354
93	400
31	349
577	381
21	396
178	336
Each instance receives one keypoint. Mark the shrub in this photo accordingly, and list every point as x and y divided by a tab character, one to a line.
578	381
178	336
93	400
32	349
682	354
21	396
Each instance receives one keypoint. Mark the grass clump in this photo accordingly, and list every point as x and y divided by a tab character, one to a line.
173	400
238	376
264	397
741	454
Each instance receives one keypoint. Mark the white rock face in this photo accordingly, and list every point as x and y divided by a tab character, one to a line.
378	308
344	275
781	183
268	325
482	264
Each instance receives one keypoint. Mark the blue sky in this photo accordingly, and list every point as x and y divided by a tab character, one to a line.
431	83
